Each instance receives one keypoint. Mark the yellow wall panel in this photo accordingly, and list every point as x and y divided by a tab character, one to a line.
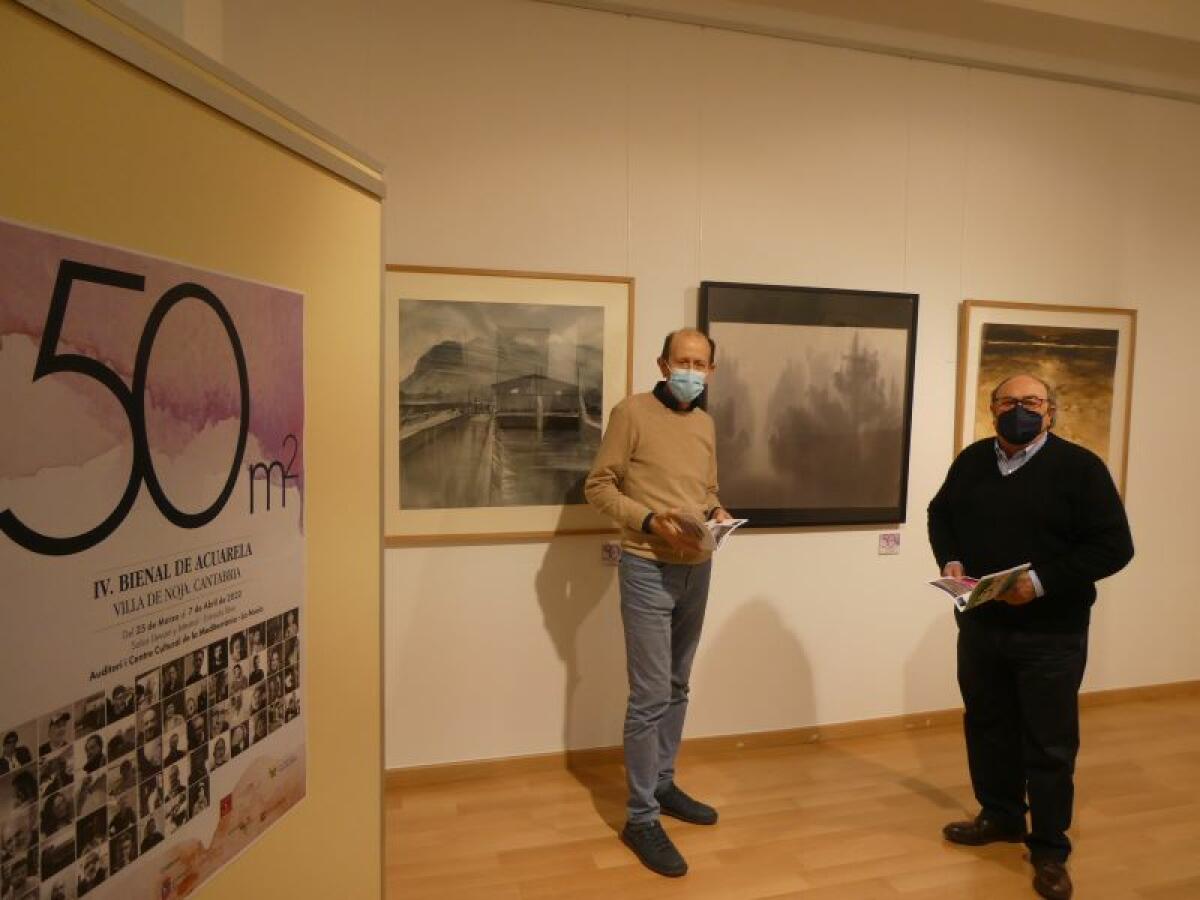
96	148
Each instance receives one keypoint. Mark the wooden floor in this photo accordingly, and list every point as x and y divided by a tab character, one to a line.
857	819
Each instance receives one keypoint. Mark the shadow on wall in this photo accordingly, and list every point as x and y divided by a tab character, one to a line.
757	662
581	614
754	664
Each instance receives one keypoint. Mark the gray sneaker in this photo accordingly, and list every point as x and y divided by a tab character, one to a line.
652	846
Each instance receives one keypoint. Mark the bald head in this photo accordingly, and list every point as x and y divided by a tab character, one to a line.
1020	385
686	344
1023	407
1025	384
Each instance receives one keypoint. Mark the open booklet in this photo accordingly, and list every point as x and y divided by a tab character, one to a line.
971	592
710	534
719	531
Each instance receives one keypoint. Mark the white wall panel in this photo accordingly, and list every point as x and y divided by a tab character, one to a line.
804	151
521	135
1045	191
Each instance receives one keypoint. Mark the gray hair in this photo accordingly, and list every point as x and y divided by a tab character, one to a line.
1051	392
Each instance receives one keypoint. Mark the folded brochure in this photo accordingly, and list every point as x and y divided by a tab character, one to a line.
719	531
971	592
711	534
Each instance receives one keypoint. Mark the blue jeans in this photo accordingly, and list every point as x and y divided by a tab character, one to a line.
662	610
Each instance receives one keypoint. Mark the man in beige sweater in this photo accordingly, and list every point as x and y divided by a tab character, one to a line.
656	476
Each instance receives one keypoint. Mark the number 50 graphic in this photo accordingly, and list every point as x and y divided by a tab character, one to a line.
133	402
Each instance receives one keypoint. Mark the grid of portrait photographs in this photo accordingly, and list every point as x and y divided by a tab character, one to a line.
88	788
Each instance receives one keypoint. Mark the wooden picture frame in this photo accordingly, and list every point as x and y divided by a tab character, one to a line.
497	387
1085	352
812	399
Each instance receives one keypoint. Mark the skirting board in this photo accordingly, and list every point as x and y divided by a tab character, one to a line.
695	748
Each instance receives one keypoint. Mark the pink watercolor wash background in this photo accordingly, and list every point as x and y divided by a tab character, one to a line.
192	380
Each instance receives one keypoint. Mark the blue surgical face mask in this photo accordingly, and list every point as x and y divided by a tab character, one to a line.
685	384
1018	425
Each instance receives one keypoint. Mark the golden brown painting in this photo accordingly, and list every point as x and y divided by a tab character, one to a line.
1079	362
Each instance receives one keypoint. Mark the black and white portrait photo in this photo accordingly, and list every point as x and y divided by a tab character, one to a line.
218	656
56	771
239	739
90	714
57	813
122	740
195	667
172	678
122	776
147	689
91	831
120	702
54	732
57	853
150	796
198	797
198	764
122	849
175	746
16	747
291	624
151	832
150	758
237	647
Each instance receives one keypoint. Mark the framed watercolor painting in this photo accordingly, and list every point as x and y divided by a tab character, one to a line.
497	387
1084	352
812	399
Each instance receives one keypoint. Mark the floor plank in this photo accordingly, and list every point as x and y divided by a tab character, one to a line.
857	819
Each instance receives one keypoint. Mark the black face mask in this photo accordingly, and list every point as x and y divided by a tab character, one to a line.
1019	425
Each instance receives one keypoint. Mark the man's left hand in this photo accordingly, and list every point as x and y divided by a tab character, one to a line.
1021	592
720	514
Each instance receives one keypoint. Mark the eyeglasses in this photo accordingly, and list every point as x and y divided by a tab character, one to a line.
1033	404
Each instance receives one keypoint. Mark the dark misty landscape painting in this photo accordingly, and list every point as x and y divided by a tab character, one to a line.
1080	362
500	403
809	416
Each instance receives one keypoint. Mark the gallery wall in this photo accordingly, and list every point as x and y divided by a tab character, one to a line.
520	135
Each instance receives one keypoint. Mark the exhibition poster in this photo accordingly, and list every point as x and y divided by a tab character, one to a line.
152	558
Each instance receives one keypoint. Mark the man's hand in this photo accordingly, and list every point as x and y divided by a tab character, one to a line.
721	514
677	531
1020	593
952	570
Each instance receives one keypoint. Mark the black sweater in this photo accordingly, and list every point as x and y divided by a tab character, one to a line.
1060	511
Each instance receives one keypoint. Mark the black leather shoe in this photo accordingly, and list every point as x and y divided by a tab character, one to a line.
1050	880
981	830
674	802
655	850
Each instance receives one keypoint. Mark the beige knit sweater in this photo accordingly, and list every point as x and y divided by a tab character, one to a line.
653	459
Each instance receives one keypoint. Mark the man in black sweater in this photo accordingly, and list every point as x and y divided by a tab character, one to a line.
1027	496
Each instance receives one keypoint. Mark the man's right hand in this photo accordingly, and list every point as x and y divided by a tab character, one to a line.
952	570
680	534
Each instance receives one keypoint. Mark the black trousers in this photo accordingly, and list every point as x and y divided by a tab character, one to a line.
1021	692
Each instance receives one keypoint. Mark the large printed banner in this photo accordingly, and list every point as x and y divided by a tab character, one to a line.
151	568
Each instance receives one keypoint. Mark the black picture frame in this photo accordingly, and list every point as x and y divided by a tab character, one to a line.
813	424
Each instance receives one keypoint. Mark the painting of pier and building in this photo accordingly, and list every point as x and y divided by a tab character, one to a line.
498	389
500	403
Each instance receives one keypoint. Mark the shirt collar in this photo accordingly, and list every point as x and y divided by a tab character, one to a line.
667	399
1024	453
